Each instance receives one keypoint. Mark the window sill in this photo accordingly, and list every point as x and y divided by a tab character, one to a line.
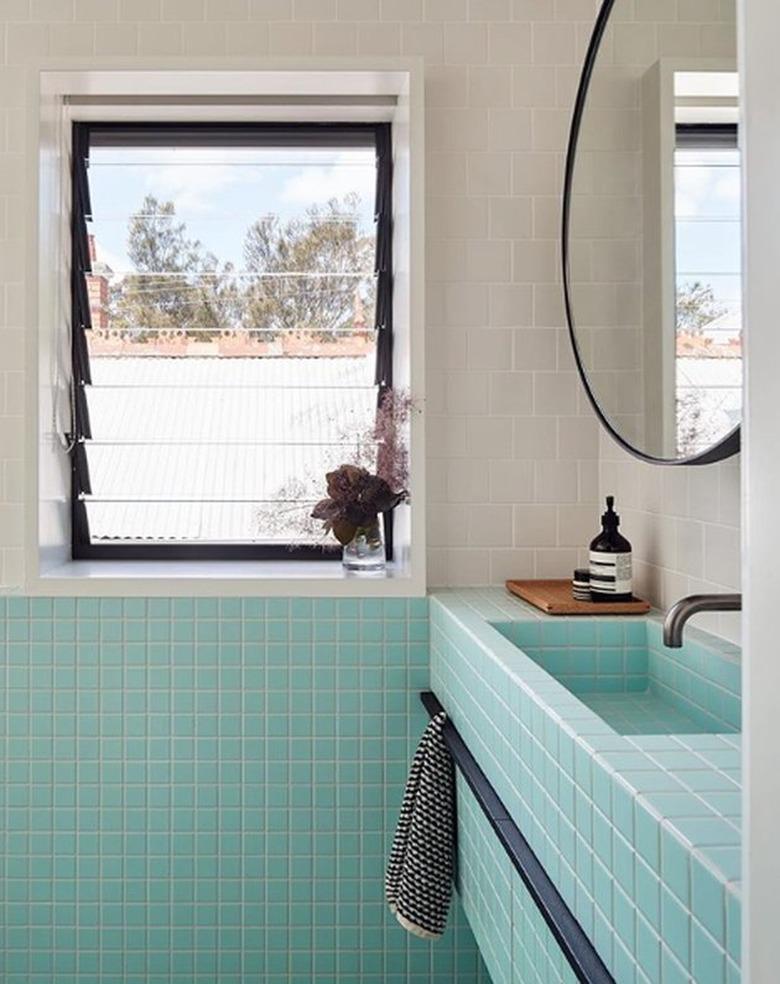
222	578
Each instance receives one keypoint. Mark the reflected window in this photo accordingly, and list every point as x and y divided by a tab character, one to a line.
708	284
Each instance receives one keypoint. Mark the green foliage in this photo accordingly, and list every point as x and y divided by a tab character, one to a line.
180	287
696	307
322	244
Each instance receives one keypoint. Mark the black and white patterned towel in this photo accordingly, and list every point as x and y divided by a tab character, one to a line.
419	877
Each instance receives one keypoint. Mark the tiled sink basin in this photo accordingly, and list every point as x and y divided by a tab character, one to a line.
621	670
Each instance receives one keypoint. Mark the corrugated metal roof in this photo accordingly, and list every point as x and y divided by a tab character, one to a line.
260	430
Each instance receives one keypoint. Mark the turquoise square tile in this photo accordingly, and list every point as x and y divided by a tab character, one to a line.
675	928
708	899
709	963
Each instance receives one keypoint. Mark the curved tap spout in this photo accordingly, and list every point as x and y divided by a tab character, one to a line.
685	608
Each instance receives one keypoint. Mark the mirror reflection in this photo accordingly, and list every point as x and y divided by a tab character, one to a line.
654	258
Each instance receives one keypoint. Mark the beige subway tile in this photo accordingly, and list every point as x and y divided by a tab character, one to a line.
511	217
509	44
467	567
557	562
490	86
250	38
510	129
510	305
445	10
577	524
532	10
506	565
446	86
140	10
552	43
535	348
401	10
534	86
489	348
159	39
271	10
465	305
489	10
535	525
511	392
204	39
490	437
187	10
535	438
465	44
468	480
447	525
335	38
467	392
356	10
314	10
457	129
490	526
511	481
116	39
555	481
578	437
379	39
290	38
535	261
96	10
490	174
227	10
488	262
446	348
423	39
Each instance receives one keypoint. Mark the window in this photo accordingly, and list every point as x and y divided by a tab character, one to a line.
232	332
708	284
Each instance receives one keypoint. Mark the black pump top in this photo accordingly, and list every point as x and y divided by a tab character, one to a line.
610	519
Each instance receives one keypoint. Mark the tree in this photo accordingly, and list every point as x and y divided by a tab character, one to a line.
696	307
313	273
177	286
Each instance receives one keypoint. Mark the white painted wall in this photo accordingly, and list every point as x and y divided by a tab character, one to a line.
761	675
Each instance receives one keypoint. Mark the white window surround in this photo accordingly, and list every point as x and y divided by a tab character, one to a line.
64	90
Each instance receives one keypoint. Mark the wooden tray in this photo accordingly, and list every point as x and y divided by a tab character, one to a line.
554	597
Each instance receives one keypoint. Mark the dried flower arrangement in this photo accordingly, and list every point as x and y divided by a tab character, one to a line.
356	496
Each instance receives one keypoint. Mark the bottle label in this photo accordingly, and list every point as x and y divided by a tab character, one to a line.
610	573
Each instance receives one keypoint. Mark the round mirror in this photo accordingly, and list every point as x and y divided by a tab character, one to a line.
651	229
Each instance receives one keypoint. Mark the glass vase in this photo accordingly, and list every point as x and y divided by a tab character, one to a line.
365	553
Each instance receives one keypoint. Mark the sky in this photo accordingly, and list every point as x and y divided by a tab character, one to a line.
707	218
219	192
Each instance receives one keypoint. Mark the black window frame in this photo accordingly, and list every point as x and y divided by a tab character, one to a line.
114	133
689	136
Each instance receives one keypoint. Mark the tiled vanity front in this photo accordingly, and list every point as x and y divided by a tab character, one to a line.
640	832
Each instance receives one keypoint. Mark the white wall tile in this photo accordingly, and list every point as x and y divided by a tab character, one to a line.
516	466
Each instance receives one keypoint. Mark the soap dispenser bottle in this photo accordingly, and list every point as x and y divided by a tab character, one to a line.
610	560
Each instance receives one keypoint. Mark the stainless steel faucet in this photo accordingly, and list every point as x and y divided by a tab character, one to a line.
685	608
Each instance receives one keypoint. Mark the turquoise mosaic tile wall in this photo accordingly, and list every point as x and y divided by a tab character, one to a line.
195	790
517	945
640	834
595	658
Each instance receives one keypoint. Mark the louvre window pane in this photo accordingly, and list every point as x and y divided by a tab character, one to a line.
232	339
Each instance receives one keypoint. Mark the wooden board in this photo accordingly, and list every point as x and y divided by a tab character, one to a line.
554	598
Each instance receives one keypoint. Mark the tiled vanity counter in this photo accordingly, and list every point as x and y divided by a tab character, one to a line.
639	831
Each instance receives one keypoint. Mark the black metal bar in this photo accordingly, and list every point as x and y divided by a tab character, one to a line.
729	444
163	134
80	265
134	550
711	136
135	134
575	945
383	265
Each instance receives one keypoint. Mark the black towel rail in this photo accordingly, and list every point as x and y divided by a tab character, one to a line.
575	944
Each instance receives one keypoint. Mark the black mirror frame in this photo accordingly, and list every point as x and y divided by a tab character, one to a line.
729	445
